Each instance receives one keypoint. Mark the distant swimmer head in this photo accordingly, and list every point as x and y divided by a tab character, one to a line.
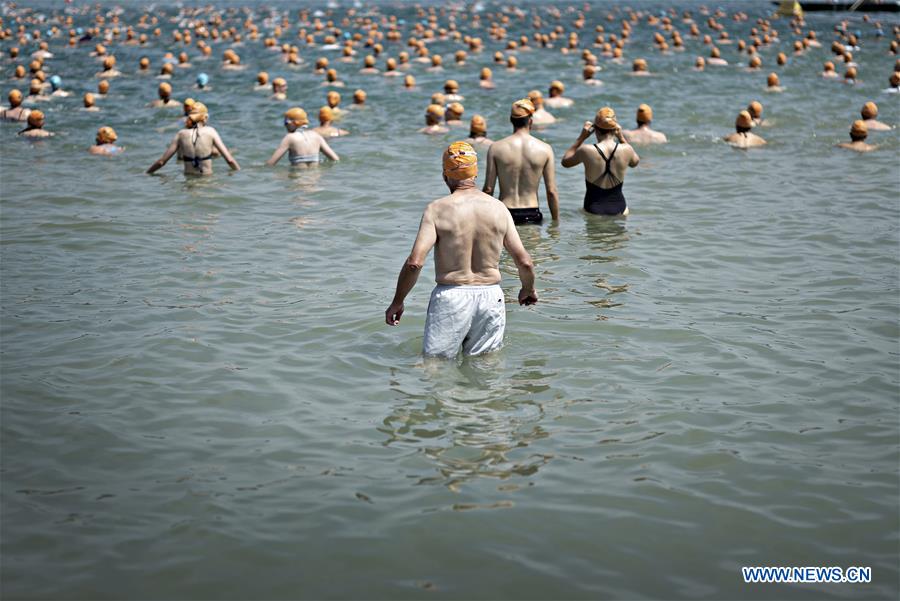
782	58
409	81
869	110
433	114
13	52
391	64
333	99
477	126
755	109
167	69
772	80
644	114
103	86
326	115
331	75
606	119
521	109
199	114
486	74
36	119
755	62
165	90
828	67
436	60
55	82
438	98
588	71
279	85
109	62
15	98
369	61
850	74
895	79
321	63
20	71
34	66
359	97
700	63
536	98
106	135
639	65
296	117
144	63
512	62
455	111
35	87
744	122
202	80
262	78
451	86
187	105
859	131
714	53
460	161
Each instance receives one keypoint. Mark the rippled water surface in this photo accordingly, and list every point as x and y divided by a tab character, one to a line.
200	398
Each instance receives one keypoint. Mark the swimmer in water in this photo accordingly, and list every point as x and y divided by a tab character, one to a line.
333	100
700	64
541	116
105	142
478	132
587	75
773	84
605	163
556	99
453	115
643	135
15	112
451	91
869	114
828	71
331	79
743	137
36	92
203	82
279	89
56	86
165	99
715	58
486	80
326	129
468	231
369	66
35	127
433	116
262	81
391	68
895	83
755	109
109	68
302	144
359	99
858	134
194	145
520	161
639	68
89	105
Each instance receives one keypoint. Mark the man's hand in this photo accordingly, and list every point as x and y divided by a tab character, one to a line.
527	297
393	314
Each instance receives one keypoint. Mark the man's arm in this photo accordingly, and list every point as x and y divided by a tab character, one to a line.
572	157
409	274
490	176
279	152
327	151
550	185
513	245
220	146
170	151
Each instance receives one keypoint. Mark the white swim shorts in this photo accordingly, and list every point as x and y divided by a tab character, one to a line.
473	317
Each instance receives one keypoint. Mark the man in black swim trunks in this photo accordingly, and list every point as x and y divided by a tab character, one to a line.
519	161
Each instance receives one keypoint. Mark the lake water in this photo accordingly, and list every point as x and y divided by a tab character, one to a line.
200	398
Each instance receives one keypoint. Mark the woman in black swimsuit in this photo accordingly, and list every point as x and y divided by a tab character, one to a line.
603	194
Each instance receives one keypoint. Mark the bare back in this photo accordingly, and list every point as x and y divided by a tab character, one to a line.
519	162
471	227
623	156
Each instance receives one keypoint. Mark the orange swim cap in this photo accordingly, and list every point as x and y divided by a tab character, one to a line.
755	62
109	62
106	135
103	86
455	110
536	98
755	109
557	86
460	161
199	113
321	63
436	60
521	108
325	115
331	75
606	119
333	98
486	73
644	114
167	69
36	118
782	58
391	64
639	64
88	100
451	86
20	71
15	98
477	126
772	80
850	73
511	62
434	110
895	79
35	87
297	116
359	96
165	90
588	71
859	130
144	62
409	81
744	120
869	110
369	61
262	78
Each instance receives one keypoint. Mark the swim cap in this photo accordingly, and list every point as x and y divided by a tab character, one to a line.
35	118
606	119
321	63
187	104
460	161
512	62
333	98
521	108
106	135
359	96
165	90
20	71
297	116
755	109
869	110
700	62
434	110
202	79
325	115
199	113
103	86
370	61
755	61
15	98
145	62
782	58
109	62
829	66
536	98
895	79
391	64
438	98
644	114
486	73
744	120
455	110
436	60
88	100
167	69
55	82
557	86
859	129
850	73
331	75
477	126
13	52
772	80
34	66
409	81
451	85
639	64
35	87
714	53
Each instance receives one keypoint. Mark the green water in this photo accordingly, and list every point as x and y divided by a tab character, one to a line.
200	398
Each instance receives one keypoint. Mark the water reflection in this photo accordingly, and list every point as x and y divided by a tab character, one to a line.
605	236
473	420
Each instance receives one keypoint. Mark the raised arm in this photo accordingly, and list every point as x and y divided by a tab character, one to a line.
572	157
220	146
409	273
327	151
513	245
168	154
490	176
635	159
550	185
279	152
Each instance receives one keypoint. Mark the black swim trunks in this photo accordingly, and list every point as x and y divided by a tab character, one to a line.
523	216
